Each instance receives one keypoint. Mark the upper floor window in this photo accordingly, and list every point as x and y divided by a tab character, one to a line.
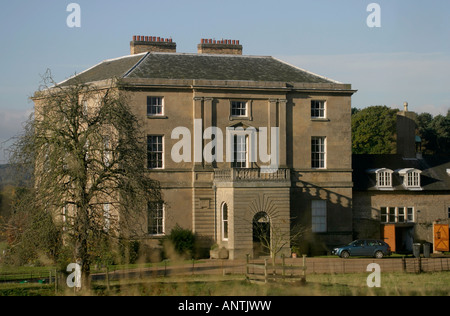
107	151
239	108
240	154
411	178
384	178
318	152
317	109
155	106
155	152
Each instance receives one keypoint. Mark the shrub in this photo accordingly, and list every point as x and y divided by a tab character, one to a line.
182	241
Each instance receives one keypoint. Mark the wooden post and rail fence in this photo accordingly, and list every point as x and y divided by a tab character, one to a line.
265	273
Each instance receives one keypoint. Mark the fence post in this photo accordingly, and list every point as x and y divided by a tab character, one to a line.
265	270
283	265
56	282
304	269
107	278
246	266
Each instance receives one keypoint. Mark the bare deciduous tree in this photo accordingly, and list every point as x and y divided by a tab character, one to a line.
273	234
88	157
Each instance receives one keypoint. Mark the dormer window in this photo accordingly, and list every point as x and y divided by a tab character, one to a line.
383	177
411	178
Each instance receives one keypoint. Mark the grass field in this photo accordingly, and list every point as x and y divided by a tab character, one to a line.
392	284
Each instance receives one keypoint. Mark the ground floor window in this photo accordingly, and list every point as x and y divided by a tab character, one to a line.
155	218
399	214
225	221
319	216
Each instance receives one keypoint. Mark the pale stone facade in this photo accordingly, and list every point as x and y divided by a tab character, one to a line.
404	209
203	86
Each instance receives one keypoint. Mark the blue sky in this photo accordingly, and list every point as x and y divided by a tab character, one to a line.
406	59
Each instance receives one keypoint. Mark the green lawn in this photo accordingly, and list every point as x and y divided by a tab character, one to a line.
392	284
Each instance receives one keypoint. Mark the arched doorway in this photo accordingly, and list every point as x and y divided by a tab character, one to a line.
261	235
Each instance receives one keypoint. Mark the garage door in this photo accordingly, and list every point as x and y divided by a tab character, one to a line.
441	238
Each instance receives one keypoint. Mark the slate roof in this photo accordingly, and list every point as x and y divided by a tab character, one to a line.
112	68
198	66
434	176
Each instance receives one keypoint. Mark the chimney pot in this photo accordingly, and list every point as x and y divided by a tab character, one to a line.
144	43
220	46
405	105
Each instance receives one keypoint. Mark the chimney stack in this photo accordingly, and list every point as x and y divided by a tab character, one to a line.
406	133
211	46
142	44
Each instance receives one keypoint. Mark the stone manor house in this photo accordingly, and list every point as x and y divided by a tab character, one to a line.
221	199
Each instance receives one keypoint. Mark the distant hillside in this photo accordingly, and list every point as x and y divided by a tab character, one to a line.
9	176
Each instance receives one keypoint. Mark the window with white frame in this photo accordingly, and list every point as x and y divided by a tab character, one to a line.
319	216
398	214
155	152
224	221
318	109
65	216
107	152
411	178
318	152
239	108
106	217
384	178
240	151
84	109
410	214
155	218
155	106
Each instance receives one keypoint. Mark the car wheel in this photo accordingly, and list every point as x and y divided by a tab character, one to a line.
345	254
379	254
